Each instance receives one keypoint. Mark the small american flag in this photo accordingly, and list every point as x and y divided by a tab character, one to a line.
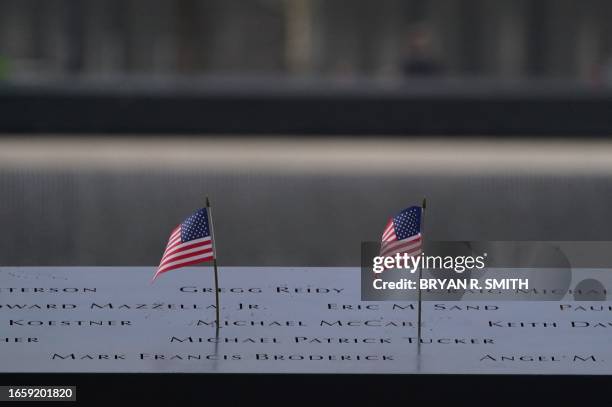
403	233
190	243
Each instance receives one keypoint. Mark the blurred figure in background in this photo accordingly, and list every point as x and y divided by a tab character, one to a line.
420	59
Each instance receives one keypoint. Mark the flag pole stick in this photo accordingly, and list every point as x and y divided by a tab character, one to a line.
420	311
214	247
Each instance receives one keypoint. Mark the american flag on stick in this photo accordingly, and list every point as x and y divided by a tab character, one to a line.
403	233
190	243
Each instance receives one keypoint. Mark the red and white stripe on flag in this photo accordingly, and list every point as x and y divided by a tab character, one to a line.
390	245
179	254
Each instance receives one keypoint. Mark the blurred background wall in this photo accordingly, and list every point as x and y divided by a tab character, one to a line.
502	39
479	70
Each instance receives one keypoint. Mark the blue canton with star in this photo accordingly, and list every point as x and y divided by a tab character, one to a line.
407	223
195	226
